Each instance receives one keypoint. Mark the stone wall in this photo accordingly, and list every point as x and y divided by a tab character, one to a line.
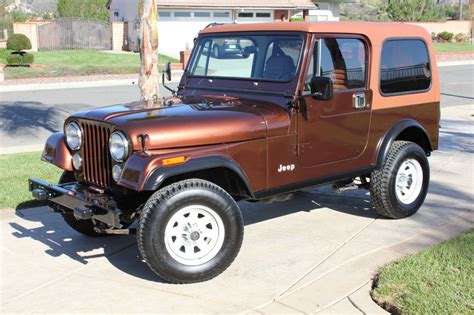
30	29
455	27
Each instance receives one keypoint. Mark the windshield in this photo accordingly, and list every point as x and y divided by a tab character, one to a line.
253	57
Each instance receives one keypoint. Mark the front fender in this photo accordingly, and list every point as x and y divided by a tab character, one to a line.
56	152
146	173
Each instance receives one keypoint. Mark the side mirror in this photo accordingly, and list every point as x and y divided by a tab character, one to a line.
168	71
321	88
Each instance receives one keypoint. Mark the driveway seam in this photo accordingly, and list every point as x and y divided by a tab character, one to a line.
344	297
354	304
386	247
300	278
334	251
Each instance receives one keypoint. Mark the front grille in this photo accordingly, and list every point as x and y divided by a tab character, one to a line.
97	163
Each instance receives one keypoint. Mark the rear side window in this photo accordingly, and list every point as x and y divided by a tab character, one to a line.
405	66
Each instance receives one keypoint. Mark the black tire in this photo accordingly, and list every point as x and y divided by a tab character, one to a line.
85	227
164	206
383	188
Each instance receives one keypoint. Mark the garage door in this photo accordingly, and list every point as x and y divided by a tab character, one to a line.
178	28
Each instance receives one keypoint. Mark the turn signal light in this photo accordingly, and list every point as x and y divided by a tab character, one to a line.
173	161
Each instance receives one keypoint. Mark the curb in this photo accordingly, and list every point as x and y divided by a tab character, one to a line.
455	63
79	84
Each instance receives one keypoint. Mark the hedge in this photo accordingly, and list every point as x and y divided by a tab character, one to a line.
18	42
20	59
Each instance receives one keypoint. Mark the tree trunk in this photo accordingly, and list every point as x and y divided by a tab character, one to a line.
149	78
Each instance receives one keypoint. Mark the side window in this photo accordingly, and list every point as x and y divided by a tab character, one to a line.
344	61
405	66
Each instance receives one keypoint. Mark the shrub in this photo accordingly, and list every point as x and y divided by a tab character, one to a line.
461	38
297	19
18	42
28	59
14	59
20	59
447	36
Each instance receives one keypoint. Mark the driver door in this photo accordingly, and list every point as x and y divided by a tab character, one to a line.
337	129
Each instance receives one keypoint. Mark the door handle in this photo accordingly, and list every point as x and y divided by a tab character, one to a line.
359	101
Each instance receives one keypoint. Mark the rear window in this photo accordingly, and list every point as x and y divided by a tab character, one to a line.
405	67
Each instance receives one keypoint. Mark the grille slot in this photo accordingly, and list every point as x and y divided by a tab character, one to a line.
96	158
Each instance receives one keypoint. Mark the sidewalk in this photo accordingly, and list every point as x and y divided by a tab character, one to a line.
316	253
74	82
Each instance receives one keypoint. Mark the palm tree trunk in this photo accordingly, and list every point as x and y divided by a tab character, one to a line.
149	78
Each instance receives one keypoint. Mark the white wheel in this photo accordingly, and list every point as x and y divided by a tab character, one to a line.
194	235
190	231
409	181
399	188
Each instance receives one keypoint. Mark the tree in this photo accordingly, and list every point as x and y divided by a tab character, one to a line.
413	11
367	10
88	9
148	80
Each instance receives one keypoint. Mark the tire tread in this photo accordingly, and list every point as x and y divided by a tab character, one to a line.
380	179
145	221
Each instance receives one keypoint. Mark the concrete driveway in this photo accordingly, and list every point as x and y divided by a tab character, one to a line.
315	253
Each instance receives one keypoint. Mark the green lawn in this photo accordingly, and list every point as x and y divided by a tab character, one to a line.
77	62
439	280
14	172
453	47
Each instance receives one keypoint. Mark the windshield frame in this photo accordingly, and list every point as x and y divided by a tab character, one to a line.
194	54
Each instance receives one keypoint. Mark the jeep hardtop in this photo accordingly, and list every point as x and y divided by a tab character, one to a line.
262	111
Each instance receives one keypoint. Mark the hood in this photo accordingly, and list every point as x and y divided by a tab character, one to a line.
184	125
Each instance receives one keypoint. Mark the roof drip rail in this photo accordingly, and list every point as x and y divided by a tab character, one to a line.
217	24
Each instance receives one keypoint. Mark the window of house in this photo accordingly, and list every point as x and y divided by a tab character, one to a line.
202	14
221	14
344	61
263	14
182	14
164	14
245	14
405	66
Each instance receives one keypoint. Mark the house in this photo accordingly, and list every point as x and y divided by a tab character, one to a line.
179	21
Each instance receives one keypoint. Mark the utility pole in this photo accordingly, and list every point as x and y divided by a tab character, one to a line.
460	10
149	76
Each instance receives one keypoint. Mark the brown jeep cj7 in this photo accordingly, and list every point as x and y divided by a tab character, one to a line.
294	105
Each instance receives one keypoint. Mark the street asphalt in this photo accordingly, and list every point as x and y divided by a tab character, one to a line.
27	118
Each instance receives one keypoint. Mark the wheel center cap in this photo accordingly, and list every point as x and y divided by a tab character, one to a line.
194	236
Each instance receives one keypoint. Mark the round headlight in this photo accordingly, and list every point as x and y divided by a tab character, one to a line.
116	172
77	161
73	136
118	146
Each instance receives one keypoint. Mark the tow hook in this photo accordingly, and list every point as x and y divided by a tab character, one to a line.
40	194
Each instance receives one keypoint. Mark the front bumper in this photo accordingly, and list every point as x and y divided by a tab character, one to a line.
78	200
